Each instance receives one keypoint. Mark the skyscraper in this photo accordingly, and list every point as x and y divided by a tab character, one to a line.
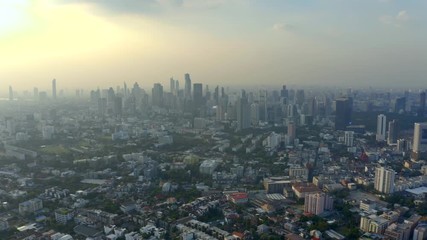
125	90
243	112
291	132
54	88
157	95
422	109
343	112
187	90
300	97
118	106
381	127
400	105
317	203
176	87
172	85
349	138
198	94
384	180
255	114
393	132
419	147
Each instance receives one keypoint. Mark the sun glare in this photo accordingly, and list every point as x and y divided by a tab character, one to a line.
13	15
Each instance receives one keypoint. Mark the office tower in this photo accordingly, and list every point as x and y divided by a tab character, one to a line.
125	90
263	105
172	85
317	203
400	105
349	138
312	107
243	112
381	127
343	112
402	145
284	92
255	114
384	180
291	111
216	95
54	88
118	106
292	132
187	90
393	132
222	108
300	97
176	87
157	95
419	148
198	95
422	109
110	99
10	93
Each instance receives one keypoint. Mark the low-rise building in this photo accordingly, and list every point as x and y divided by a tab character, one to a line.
30	206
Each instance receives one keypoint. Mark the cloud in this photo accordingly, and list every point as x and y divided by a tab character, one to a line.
402	16
282	27
385	1
398	20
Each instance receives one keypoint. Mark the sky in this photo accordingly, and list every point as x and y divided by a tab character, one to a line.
90	43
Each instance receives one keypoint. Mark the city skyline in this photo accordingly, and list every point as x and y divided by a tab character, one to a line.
233	42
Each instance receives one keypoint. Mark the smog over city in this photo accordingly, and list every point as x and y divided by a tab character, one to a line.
213	119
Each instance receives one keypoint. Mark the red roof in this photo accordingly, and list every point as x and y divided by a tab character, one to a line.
239	196
238	234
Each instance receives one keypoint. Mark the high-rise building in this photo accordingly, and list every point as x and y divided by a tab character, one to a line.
420	232
176	86
422	109
400	105
393	132
198	95
343	112
157	95
172	85
125	90
291	111
318	203
419	147
402	145
54	88
381	127
384	180
300	97
187	90
255	113
291	132
118	106
284	92
349	138
243	112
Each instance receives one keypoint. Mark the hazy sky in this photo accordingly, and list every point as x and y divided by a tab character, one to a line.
253	42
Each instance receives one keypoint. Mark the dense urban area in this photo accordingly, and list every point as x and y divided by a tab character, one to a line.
193	161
